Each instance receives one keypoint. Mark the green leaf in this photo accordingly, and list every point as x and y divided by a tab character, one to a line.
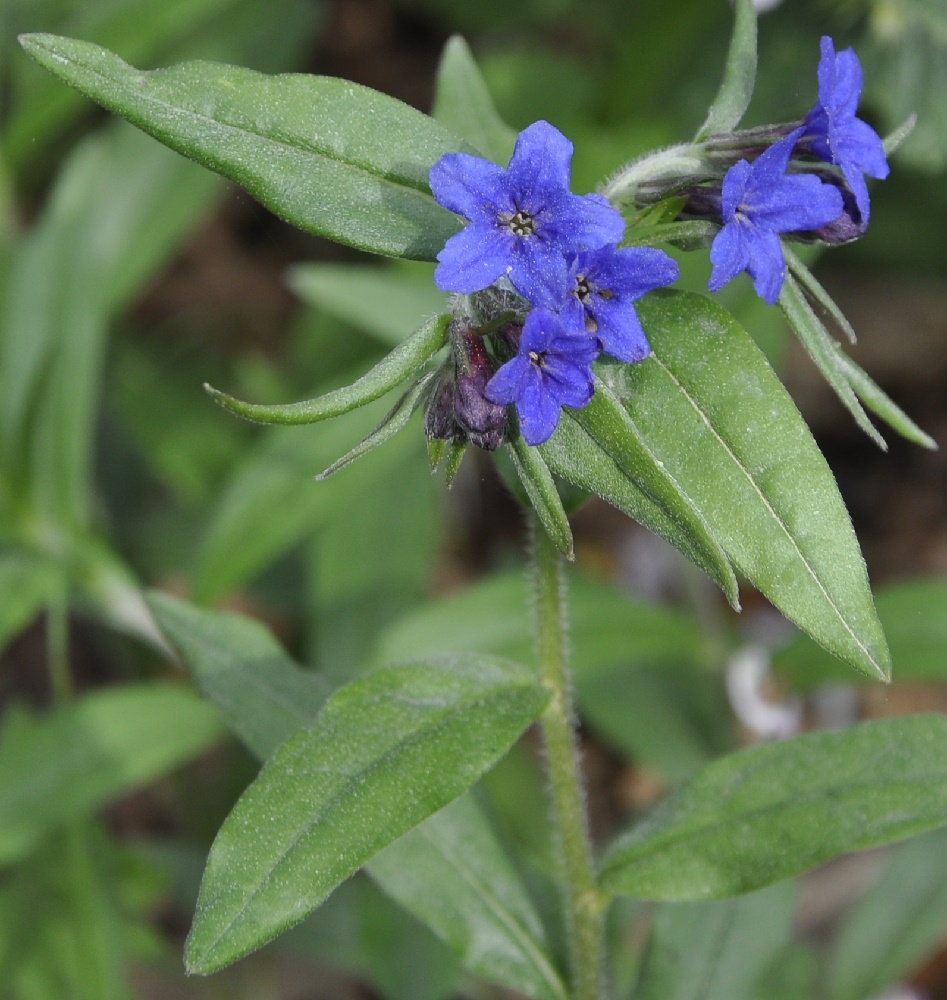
739	75
825	352
329	156
395	420
385	301
897	924
389	373
26	586
238	665
119	207
913	618
463	103
761	815
387	751
75	759
607	628
243	536
598	449
452	873
541	489
715	950
713	412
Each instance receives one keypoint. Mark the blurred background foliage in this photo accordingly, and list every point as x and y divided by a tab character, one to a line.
129	276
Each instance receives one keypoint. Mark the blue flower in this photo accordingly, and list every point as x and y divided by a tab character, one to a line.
601	289
552	369
758	202
523	219
834	134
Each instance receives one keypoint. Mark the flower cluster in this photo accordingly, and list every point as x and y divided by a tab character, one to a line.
762	200
559	252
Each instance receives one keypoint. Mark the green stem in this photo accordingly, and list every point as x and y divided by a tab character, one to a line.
584	903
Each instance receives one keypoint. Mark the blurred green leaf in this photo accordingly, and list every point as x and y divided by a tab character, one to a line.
669	714
761	815
386	301
896	925
331	157
479	907
715	950
912	614
387	751
600	450
739	75
463	103
275	477
26	586
607	628
712	410
119	207
68	763
238	665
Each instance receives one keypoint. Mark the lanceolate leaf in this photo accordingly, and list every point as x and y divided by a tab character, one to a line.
711	409
327	155
389	373
387	751
764	814
480	907
238	665
594	451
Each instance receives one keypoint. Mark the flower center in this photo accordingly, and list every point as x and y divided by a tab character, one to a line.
538	358
522	224
583	290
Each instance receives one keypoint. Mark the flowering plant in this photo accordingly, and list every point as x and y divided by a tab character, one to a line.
562	349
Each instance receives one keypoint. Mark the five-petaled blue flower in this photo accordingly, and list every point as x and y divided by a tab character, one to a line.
834	134
760	201
601	289
552	369
524	221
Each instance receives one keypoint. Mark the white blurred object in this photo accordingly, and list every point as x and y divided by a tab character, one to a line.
747	672
902	993
764	5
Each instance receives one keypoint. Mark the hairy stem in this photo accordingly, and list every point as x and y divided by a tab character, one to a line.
584	903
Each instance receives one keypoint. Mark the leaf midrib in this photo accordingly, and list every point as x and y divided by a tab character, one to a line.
313	150
773	513
353	779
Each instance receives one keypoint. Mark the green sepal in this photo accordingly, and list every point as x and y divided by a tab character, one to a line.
389	373
543	495
329	156
455	455
397	417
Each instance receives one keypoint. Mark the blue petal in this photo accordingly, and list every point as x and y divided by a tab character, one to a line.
734	187
538	410
473	259
540	163
856	181
620	332
728	255
862	146
507	383
538	271
470	186
767	265
583	222
569	384
540	329
769	168
630	272
844	82
798	202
